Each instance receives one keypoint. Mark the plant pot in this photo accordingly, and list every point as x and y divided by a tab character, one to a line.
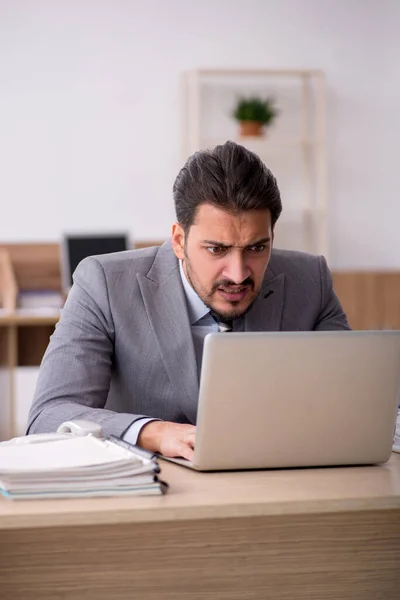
251	129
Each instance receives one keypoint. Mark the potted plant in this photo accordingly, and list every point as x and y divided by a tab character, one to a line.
253	114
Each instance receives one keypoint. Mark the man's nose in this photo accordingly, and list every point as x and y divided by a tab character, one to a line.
236	269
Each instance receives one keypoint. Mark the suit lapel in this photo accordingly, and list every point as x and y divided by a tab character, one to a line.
266	312
165	304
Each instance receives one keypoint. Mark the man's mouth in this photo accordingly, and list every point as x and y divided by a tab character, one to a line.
233	294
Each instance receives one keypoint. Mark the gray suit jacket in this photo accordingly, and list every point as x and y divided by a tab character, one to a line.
123	347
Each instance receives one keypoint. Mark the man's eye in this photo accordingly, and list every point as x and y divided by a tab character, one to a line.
216	249
259	248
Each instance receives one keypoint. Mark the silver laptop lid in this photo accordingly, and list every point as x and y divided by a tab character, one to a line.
297	399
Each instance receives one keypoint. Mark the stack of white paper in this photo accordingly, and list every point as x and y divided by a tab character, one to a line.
40	299
76	467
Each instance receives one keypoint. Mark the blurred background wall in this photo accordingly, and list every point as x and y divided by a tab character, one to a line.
90	109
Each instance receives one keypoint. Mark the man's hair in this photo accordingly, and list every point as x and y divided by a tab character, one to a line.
229	177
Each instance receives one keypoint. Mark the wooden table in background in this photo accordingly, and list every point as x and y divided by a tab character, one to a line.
24	336
323	534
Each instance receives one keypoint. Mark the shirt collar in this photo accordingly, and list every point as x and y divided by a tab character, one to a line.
196	307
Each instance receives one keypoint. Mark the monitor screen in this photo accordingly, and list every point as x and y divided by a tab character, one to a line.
78	247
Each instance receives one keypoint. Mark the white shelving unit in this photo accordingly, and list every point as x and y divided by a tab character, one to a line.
294	148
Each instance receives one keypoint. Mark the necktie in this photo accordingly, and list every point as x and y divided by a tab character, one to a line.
223	326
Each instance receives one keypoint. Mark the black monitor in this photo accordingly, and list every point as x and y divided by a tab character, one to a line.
77	247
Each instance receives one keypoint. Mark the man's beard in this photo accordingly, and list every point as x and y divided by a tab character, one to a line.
223	283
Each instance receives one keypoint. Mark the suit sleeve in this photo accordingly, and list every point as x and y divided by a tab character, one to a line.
75	373
331	316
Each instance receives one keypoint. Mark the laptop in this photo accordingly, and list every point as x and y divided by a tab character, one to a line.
304	399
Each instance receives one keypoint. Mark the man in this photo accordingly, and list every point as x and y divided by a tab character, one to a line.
128	347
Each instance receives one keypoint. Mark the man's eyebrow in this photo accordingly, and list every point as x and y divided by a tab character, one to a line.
259	242
221	245
213	243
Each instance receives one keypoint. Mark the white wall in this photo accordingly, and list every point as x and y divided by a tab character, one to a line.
89	109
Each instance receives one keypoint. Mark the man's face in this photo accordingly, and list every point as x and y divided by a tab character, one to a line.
225	257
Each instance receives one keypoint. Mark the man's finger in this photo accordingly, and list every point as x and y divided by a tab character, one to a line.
184	451
190	439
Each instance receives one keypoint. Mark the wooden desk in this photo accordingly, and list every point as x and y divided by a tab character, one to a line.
323	534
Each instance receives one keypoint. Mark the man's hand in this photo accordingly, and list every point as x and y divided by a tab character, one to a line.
170	439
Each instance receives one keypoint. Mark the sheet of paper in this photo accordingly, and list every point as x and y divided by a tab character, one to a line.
72	453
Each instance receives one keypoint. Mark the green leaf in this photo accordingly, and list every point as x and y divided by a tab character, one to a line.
255	109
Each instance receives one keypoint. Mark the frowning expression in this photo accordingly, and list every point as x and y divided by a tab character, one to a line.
224	256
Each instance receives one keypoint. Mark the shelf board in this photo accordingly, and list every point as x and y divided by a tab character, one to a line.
257	72
29	317
262	142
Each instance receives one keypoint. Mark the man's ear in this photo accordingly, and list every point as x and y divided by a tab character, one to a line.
178	240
